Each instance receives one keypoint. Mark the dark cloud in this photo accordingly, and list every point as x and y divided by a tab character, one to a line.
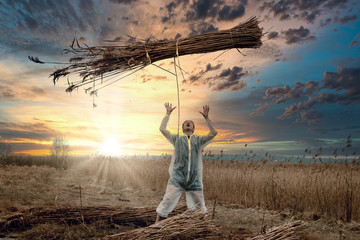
230	13
6	93
285	16
227	79
346	79
272	35
171	9
325	22
233	86
9	93
341	87
27	146
123	1
194	78
206	10
44	26
37	91
30	131
209	67
31	46
281	94
202	9
345	19
297	108
311	117
297	35
178	35
307	10
260	110
201	28
310	16
230	79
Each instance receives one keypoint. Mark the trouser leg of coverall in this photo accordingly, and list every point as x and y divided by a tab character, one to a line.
171	198
195	200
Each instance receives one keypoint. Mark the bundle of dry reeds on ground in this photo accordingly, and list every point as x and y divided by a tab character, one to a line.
139	217
104	63
293	230
188	225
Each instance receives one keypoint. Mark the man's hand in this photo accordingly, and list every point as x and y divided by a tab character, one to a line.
205	112
169	108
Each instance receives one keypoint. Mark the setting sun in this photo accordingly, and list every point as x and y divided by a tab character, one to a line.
110	147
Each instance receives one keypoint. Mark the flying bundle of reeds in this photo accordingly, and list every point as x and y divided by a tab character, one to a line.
104	63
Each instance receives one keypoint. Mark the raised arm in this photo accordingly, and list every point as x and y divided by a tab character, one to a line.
164	122
213	132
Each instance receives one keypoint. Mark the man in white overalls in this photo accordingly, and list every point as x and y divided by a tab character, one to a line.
186	165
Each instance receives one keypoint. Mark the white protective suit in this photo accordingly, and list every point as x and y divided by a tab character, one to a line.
185	169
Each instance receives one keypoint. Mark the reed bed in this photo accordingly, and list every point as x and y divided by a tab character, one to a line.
194	225
139	217
101	63
331	190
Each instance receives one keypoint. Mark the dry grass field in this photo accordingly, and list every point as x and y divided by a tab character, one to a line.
242	197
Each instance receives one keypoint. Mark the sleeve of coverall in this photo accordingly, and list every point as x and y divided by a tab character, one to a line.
207	139
165	132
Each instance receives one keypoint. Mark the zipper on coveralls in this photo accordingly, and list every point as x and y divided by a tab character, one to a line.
189	160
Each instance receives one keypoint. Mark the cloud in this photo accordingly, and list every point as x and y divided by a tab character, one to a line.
230	13
31	93
178	35
311	117
29	131
45	27
341	87
281	94
227	79
347	79
201	28
123	1
307	10
6	93
325	22
297	35
272	35
260	110
146	78
230	79
206	10
209	67
297	108
202	9
345	19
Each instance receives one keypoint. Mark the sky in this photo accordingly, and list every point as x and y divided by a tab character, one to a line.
299	90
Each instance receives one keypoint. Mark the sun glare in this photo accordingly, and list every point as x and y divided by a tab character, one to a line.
110	147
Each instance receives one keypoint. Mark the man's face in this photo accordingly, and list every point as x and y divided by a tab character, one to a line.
188	126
